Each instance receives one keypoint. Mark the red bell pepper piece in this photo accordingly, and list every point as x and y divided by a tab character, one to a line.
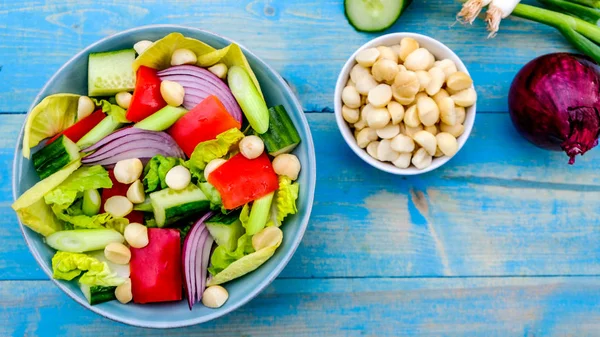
204	122
76	131
241	180
120	189
156	268
146	98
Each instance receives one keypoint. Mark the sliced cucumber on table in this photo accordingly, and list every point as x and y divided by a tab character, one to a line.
374	15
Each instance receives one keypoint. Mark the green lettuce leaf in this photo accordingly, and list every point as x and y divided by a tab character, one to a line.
245	215
113	110
243	265
284	202
156	170
221	258
213	149
40	218
85	178
67	266
53	114
31	208
158	55
76	219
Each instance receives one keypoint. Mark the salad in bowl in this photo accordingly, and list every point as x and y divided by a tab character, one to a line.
169	180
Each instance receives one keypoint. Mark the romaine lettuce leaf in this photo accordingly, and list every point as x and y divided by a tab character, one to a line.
85	178
243	265
40	218
158	55
213	149
221	258
31	208
284	202
52	115
67	266
113	110
156	170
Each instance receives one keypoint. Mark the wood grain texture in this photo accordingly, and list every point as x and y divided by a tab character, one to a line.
344	307
307	41
501	207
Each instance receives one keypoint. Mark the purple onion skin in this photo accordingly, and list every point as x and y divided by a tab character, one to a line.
554	102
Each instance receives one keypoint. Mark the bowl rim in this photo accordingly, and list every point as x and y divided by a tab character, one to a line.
345	130
312	169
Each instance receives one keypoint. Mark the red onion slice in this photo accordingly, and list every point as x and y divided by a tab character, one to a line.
195	242
115	135
193	77
126	142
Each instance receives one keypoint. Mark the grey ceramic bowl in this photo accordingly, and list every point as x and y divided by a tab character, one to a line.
72	78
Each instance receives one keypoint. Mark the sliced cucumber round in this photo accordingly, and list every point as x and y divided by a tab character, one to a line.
373	15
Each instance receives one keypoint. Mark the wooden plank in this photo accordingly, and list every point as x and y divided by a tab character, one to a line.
307	41
345	307
501	207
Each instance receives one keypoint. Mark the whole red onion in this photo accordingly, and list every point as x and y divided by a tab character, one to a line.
554	102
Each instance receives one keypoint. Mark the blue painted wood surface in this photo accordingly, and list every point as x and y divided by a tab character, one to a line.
502	241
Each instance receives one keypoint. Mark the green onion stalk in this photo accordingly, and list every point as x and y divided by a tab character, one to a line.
582	34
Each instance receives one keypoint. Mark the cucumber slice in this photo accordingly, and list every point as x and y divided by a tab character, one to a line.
83	240
54	156
373	15
111	72
282	136
92	202
98	294
170	205
226	229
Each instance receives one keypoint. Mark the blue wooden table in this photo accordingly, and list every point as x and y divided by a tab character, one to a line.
502	241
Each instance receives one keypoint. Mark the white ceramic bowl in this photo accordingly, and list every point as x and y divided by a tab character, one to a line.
440	51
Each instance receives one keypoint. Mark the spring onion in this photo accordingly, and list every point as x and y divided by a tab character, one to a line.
589	3
582	34
586	13
471	10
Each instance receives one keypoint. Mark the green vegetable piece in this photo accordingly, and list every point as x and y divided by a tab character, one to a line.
98	294
213	149
259	214
282	136
55	156
249	98
243	265
170	205
111	72
213	195
40	218
38	191
91	202
373	15
222	258
114	120
83	240
162	119
67	266
52	115
226	229
156	170
85	178
284	202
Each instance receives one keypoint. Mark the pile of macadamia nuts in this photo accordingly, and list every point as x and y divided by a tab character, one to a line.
404	106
